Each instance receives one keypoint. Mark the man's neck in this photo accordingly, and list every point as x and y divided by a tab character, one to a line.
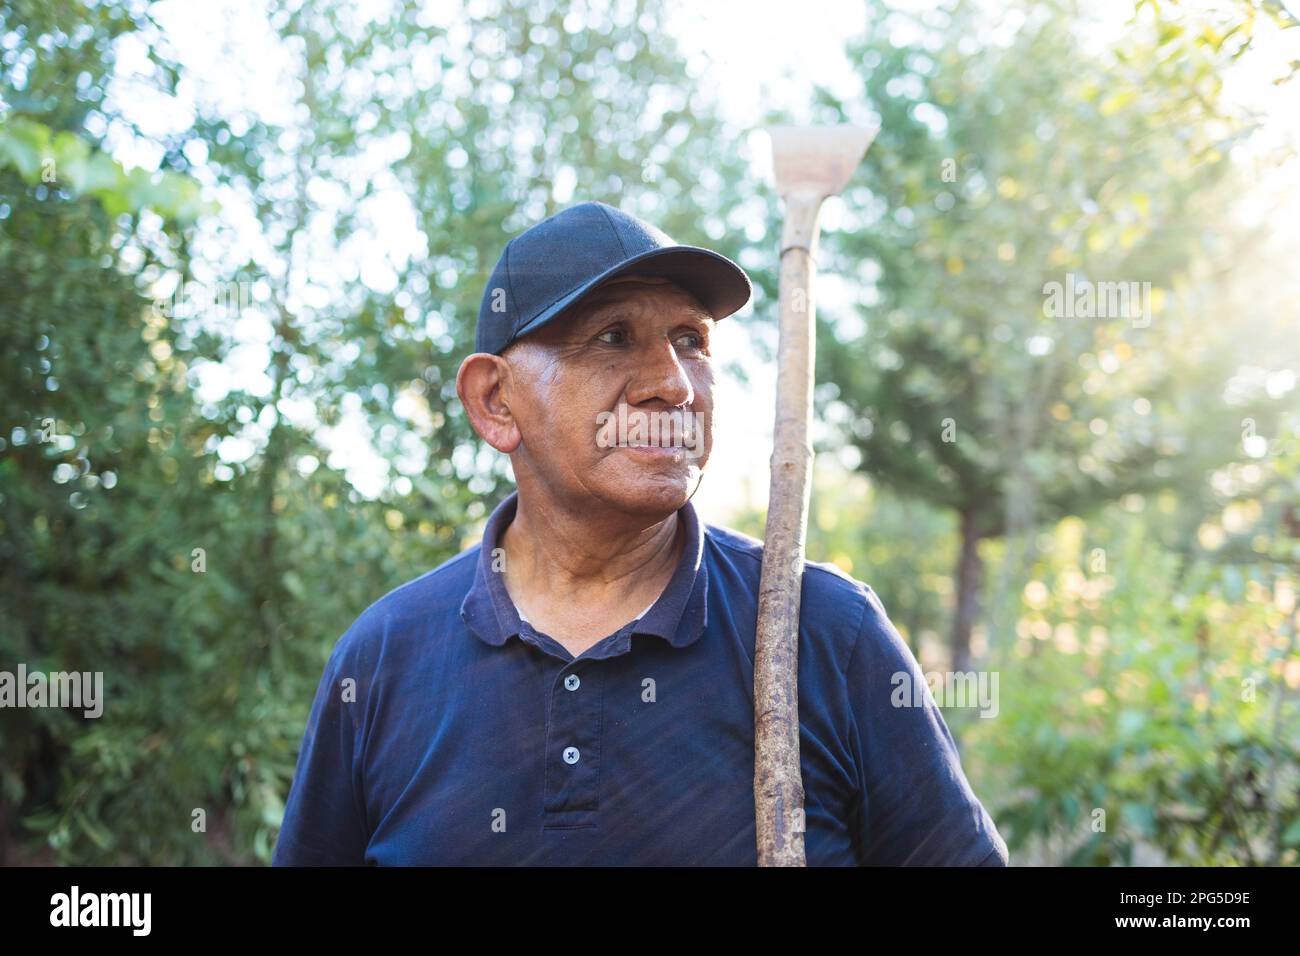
577	577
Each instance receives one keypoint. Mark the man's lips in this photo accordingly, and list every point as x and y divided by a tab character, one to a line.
658	434
656	451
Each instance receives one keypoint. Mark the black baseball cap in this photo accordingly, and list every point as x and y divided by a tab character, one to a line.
554	264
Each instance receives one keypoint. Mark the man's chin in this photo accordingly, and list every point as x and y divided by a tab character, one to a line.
656	484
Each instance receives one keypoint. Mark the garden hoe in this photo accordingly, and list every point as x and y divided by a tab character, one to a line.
811	163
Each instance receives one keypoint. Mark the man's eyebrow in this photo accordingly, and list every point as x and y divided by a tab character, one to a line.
618	310
591	319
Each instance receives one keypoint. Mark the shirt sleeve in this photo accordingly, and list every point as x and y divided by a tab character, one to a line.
324	819
915	807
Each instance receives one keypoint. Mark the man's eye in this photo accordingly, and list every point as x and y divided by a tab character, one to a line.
692	340
612	337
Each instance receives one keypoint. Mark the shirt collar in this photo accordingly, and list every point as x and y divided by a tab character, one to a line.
678	617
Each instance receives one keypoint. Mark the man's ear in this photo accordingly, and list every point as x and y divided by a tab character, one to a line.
479	385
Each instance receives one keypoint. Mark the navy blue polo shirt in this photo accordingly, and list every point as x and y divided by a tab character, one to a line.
448	731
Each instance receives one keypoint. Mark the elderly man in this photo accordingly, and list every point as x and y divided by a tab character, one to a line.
578	687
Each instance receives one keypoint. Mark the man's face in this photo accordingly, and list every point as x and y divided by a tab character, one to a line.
616	402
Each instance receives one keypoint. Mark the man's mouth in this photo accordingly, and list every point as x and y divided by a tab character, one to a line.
657	451
662	433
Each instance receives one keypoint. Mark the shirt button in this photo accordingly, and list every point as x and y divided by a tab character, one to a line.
570	755
571	682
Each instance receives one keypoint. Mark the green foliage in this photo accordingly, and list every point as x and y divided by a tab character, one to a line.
996	172
67	161
1145	705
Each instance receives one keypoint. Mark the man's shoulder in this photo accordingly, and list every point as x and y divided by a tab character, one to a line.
429	600
826	586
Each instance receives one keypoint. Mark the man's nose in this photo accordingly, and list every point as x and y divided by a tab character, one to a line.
660	376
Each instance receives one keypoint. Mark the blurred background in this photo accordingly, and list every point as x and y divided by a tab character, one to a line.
242	249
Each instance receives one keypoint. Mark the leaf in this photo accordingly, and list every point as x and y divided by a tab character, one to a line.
1131	722
27	145
1140	816
102	838
1169	31
1117	101
100	175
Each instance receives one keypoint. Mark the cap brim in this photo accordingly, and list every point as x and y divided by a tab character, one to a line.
719	284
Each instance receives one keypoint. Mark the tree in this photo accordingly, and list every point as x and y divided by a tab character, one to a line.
1013	156
97	494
